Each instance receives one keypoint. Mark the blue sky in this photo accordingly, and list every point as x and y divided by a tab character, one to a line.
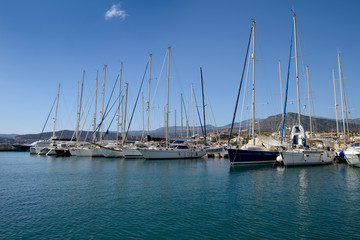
44	43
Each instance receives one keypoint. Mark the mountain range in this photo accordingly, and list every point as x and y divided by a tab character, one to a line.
270	124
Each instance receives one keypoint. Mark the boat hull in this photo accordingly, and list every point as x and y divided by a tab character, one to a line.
241	156
132	153
112	153
307	158
22	147
352	157
86	152
168	154
63	152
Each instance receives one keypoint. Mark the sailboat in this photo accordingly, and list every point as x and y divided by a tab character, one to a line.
251	154
42	147
90	149
176	151
114	149
300	153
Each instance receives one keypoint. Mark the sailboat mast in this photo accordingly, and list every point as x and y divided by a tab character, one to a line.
203	98
55	117
281	88
187	121
167	102
297	69
181	105
253	84
96	96
143	120
342	97
103	100
192	108
124	124
308	83
77	114
119	104
79	106
165	122
336	106
148	101
346	112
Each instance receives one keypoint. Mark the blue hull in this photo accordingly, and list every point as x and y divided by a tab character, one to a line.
239	156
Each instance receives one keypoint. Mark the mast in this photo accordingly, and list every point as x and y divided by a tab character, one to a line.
203	98
148	101
192	106
79	106
308	83
165	136
96	96
124	124
297	69
167	103
342	97
281	89
181	105
187	120
119	104
103	100
336	107
143	120
55	117
77	114
253	85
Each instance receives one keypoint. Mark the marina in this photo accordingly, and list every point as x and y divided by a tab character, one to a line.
179	120
73	197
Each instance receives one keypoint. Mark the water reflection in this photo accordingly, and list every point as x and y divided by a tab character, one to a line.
352	180
251	167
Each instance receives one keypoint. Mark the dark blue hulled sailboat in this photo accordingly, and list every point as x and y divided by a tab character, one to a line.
250	154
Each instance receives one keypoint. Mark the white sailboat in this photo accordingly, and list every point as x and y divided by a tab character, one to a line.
301	154
114	149
43	147
352	154
172	151
90	149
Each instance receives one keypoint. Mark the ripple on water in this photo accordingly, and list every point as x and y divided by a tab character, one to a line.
197	199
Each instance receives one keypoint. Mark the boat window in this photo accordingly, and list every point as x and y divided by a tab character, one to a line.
183	147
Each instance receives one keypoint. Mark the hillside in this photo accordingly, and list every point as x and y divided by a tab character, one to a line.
270	124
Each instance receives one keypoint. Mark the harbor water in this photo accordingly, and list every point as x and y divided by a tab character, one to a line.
98	198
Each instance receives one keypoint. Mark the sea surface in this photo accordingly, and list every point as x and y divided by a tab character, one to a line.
98	198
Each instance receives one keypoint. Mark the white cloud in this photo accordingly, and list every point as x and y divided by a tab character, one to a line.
115	11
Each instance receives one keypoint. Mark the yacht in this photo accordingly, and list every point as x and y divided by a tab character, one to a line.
302	155
176	151
352	154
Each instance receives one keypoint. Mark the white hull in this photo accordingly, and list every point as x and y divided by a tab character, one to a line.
35	150
352	157
42	151
37	146
171	153
86	152
132	153
51	152
307	157
112	153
